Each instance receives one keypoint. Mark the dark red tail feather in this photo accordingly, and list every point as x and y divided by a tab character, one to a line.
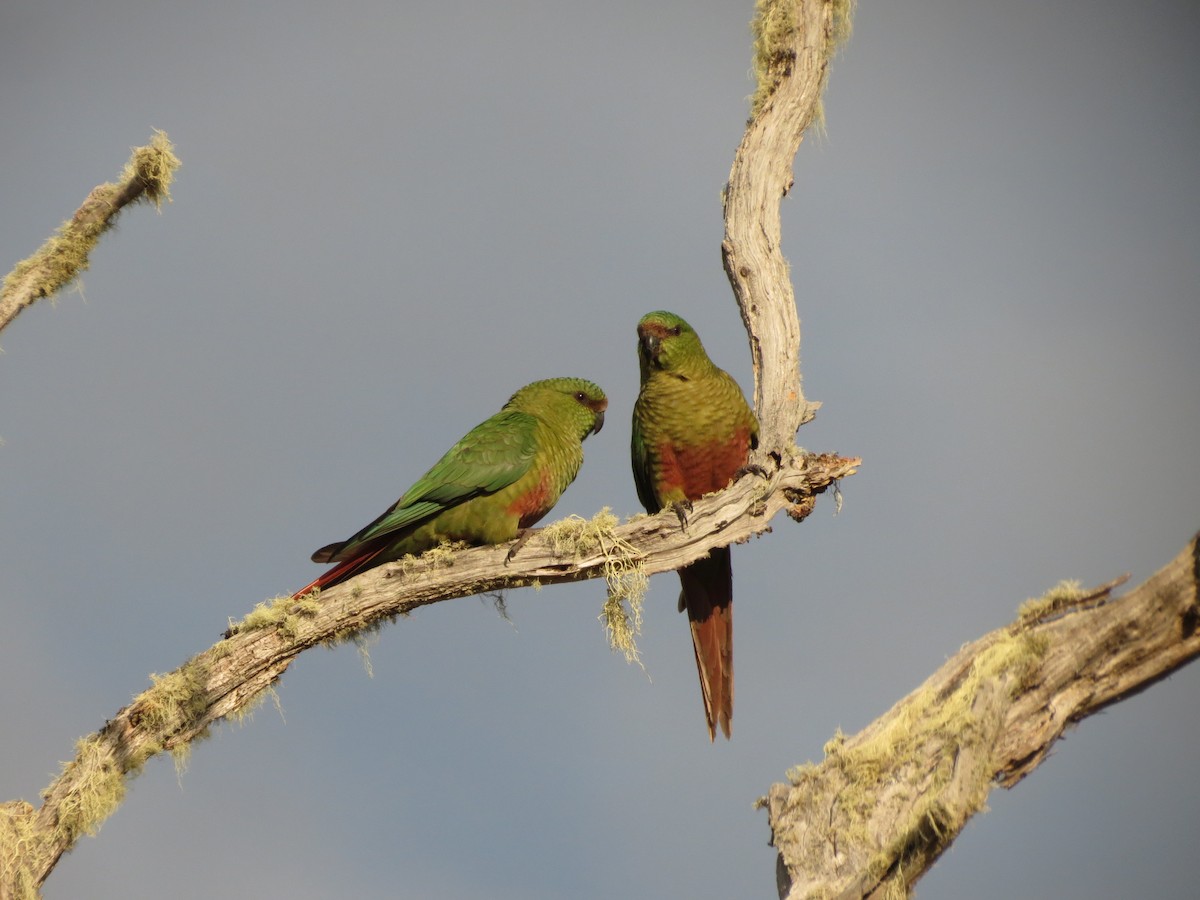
340	573
708	598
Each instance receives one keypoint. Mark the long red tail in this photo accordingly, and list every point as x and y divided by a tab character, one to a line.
708	598
339	573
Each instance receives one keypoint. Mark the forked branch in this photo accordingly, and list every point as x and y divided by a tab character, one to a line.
795	39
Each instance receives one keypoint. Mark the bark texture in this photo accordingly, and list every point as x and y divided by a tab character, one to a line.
794	44
233	676
884	804
793	41
873	817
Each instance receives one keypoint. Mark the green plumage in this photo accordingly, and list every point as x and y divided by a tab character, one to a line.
501	478
692	432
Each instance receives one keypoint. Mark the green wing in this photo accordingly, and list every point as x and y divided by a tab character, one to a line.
641	468
491	456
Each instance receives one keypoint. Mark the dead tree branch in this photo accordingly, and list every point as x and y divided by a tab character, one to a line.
874	816
794	42
794	39
65	255
230	678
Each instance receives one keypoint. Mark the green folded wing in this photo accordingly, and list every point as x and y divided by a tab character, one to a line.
491	456
642	476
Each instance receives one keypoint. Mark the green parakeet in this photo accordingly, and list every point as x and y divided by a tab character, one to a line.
500	479
692	432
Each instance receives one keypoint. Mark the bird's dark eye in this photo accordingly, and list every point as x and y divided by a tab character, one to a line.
581	396
677	330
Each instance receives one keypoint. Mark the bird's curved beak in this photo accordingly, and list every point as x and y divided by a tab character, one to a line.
599	418
649	342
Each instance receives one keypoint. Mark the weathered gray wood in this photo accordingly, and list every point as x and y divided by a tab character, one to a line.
230	678
794	44
872	818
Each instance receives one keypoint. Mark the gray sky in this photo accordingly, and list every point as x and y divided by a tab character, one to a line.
389	217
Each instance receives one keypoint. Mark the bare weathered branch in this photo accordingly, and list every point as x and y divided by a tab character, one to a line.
872	818
881	807
794	43
795	38
64	256
229	678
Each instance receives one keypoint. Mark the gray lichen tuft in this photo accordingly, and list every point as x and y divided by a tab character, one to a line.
99	789
20	849
283	613
64	256
1062	596
893	771
773	28
623	572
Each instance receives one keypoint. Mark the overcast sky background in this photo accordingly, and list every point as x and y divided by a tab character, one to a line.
392	215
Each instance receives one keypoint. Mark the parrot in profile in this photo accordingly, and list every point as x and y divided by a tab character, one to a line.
692	433
501	478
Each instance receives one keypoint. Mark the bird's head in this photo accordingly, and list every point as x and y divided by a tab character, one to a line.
575	400
667	343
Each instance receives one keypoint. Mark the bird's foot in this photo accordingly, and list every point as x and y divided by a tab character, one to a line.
522	536
751	469
681	509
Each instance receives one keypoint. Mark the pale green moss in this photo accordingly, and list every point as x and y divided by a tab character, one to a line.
175	702
176	699
284	613
264	615
773	27
247	710
843	22
362	643
181	755
1062	596
886	758
64	256
100	788
623	573
438	557
577	537
155	164
19	849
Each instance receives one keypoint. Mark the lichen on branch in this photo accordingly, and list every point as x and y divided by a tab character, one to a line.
66	254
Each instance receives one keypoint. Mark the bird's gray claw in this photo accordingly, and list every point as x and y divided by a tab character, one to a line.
751	469
681	509
522	536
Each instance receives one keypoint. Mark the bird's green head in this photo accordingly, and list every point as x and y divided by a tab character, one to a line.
669	344
574	403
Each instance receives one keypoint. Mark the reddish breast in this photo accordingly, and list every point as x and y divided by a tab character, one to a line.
530	505
702	469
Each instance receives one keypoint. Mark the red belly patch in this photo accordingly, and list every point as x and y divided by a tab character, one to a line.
702	469
533	503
